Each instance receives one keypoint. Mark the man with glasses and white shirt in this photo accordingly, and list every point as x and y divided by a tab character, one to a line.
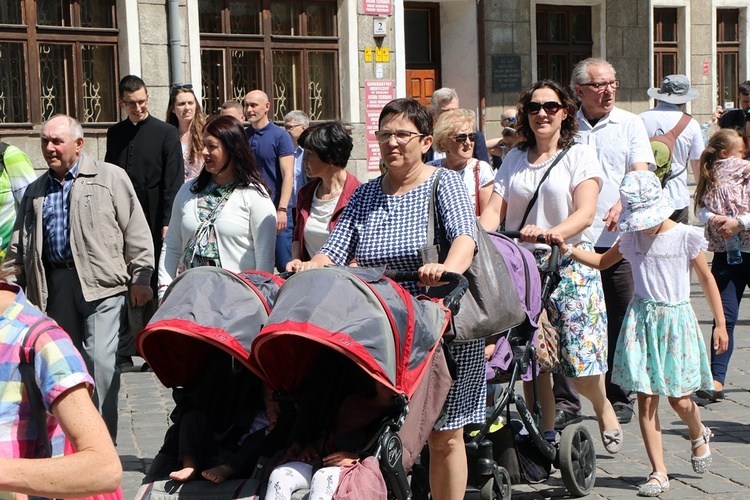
622	144
150	152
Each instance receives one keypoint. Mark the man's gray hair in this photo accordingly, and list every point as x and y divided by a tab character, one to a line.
76	131
442	96
298	116
580	73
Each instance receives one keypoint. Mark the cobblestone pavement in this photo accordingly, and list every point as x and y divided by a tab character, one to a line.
145	407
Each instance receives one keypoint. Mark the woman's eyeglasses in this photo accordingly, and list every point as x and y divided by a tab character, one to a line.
600	86
549	107
461	138
402	136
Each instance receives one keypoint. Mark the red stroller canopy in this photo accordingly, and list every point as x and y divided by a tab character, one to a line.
357	312
206	305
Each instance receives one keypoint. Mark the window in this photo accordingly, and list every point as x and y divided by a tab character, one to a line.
58	56
563	39
728	53
665	44
289	49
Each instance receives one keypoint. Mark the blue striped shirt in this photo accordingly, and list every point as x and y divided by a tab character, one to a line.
56	216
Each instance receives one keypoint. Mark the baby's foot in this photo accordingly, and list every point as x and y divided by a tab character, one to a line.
218	474
184	474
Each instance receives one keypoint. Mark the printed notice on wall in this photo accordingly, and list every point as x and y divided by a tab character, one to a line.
376	7
506	73
378	93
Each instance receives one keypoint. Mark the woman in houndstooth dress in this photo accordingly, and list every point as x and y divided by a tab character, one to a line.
385	223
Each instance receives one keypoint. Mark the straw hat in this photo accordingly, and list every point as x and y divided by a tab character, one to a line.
675	89
643	202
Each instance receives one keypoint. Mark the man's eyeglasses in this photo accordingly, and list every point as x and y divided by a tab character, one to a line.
134	104
549	107
402	136
600	86
461	138
511	119
291	126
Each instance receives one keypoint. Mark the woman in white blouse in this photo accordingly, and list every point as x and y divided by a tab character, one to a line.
184	112
224	217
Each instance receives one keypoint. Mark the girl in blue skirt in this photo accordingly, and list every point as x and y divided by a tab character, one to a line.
660	351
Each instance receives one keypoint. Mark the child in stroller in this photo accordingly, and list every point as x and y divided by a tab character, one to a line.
222	421
337	414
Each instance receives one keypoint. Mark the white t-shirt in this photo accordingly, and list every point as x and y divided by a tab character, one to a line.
316	228
485	176
620	139
517	180
689	146
661	262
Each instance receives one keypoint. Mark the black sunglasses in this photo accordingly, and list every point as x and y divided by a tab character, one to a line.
462	137
550	107
187	86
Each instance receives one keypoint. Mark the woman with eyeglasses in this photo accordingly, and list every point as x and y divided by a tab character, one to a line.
568	178
185	112
455	135
385	223
224	217
321	201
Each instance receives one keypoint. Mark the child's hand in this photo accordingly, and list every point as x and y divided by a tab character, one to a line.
556	239
720	339
340	458
308	454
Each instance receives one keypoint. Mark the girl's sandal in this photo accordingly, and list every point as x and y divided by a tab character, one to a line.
651	489
703	463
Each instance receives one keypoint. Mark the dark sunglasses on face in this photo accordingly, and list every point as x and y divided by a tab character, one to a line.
462	137
550	107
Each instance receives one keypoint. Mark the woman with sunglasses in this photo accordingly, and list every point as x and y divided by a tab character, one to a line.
184	112
455	135
568	178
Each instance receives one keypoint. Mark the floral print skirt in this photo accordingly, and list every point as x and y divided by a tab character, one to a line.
577	310
660	350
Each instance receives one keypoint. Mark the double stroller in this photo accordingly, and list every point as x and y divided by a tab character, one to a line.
276	332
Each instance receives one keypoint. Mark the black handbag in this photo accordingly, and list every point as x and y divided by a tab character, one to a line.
491	305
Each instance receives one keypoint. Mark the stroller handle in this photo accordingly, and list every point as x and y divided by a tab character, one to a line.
453	300
555	252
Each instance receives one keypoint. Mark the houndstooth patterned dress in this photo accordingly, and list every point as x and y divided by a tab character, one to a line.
384	230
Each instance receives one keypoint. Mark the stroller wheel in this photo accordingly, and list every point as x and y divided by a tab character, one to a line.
577	459
497	486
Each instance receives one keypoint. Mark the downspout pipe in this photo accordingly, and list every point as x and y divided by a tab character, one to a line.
175	53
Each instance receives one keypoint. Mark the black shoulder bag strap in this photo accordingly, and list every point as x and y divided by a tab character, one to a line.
432	232
26	367
544	178
3	147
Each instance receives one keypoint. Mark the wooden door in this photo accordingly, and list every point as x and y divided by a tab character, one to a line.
420	84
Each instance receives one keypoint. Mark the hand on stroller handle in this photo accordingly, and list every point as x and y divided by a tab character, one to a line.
453	300
555	252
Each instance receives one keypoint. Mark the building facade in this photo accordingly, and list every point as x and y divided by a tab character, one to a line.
343	59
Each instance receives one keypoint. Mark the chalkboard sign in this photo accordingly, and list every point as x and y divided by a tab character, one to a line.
506	73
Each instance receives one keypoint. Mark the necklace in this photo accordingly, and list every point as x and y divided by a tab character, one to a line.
329	196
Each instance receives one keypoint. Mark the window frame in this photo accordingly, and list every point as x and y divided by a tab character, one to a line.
665	48
267	44
572	50
727	48
33	35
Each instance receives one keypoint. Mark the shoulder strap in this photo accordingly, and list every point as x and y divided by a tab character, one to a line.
476	187
432	210
26	367
677	130
544	177
674	134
